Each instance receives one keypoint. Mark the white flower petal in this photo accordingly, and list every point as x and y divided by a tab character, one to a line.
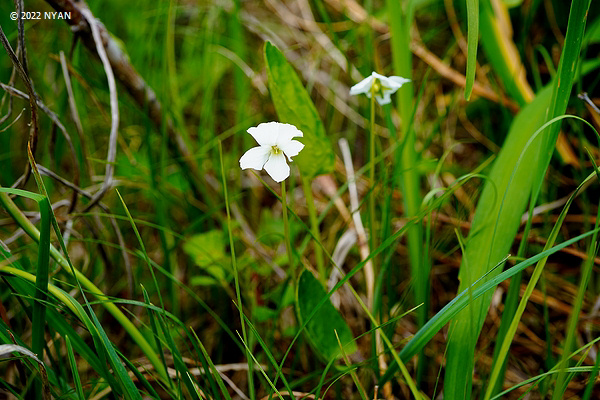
363	86
277	168
285	134
379	76
255	158
266	133
291	148
398	81
386	98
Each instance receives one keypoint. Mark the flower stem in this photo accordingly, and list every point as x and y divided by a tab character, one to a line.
314	227
371	202
237	281
286	227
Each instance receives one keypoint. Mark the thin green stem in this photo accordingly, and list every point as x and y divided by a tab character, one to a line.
314	227
237	280
11	208
371	202
286	228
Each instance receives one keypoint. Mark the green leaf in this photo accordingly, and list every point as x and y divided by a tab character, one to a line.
320	330
208	252
294	106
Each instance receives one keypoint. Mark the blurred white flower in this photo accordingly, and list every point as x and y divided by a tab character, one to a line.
275	143
383	87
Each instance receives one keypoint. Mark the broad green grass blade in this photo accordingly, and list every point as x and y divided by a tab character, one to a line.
472	44
62	326
494	226
479	289
103	344
507	340
560	96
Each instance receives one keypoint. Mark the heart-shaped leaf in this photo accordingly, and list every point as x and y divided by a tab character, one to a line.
320	330
294	106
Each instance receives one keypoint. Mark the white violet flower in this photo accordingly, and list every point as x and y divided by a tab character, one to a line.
275	143
383	87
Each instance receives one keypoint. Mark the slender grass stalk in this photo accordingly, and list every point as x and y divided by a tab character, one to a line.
587	395
237	280
286	229
314	227
11	208
458	383
504	350
73	365
213	369
400	21
586	272
155	332
361	389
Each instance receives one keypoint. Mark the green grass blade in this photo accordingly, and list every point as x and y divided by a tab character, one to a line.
586	272
494	226
73	365
237	280
507	340
213	369
502	53
155	332
270	357
563	83
81	279
400	20
472	44
437	322
39	307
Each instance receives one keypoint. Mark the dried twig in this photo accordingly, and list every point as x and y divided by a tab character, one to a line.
33	132
358	225
135	85
54	118
74	112
114	109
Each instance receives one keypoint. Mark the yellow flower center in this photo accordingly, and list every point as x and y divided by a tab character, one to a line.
378	88
276	150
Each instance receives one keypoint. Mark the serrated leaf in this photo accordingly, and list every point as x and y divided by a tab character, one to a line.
294	106
320	330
